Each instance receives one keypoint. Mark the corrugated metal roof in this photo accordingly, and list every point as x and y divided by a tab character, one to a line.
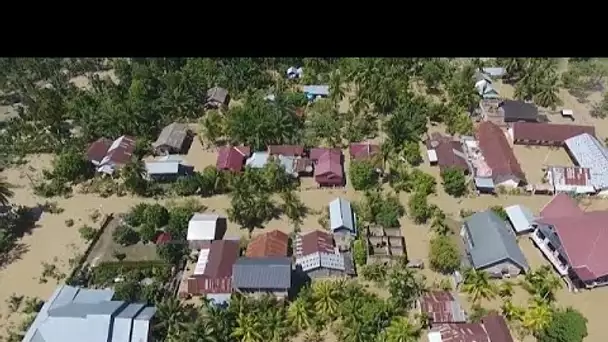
172	135
322	90
521	218
87	319
492	241
262	273
341	215
589	152
318	260
257	160
202	227
162	167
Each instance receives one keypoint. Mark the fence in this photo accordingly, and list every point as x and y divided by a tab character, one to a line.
102	227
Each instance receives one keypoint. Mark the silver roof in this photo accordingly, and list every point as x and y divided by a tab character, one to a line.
262	273
172	135
492	241
89	315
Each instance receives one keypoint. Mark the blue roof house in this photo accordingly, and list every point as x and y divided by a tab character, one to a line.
491	246
75	314
315	91
341	216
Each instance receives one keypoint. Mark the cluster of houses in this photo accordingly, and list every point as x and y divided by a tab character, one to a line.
271	261
449	322
326	165
488	157
74	314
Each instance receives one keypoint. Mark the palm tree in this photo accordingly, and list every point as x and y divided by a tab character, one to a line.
203	330
326	295
542	283
505	290
172	317
248	329
511	311
537	317
212	126
477	285
336	87
276	324
293	208
299	314
401	330
5	193
438	223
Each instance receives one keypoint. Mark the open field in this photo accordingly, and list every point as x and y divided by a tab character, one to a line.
534	158
105	248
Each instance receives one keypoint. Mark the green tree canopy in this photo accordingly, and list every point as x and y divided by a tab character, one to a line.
454	181
363	175
444	255
567	325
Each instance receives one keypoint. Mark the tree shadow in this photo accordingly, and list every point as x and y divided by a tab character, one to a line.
15	252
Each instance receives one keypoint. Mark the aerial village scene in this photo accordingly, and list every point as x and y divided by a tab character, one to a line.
303	199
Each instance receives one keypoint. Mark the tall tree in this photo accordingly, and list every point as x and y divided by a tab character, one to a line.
5	193
477	285
402	330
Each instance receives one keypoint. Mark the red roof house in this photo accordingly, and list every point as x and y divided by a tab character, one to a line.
498	154
217	275
232	158
328	170
317	152
532	133
582	239
442	307
109	155
271	244
313	242
363	151
98	150
163	238
491	328
450	154
286	150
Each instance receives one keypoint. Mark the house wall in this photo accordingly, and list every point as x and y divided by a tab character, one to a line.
325	273
278	293
198	244
548	243
503	268
507	181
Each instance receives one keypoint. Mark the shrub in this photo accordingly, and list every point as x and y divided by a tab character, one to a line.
87	232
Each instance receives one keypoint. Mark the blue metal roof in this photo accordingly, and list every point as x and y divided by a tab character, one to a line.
341	215
88	316
321	90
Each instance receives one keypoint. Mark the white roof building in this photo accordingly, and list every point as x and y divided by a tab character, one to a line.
521	218
590	153
321	260
202	227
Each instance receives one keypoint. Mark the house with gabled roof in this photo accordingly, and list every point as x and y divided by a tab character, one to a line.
546	134
172	139
328	169
491	246
118	153
212	275
271	244
588	152
574	241
342	222
496	162
204	228
259	276
217	98
74	314
441	307
491	328
232	158
317	256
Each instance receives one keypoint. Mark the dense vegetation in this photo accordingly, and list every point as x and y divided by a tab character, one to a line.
400	96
